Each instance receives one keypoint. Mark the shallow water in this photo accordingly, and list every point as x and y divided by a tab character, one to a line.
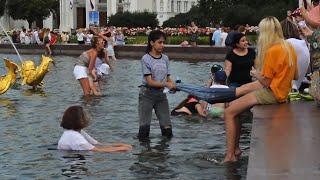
30	130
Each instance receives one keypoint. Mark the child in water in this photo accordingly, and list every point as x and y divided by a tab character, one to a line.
214	69
75	138
217	109
155	77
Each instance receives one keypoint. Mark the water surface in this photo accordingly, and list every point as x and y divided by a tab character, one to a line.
30	130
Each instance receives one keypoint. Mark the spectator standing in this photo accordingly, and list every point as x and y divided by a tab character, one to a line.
80	36
194	34
23	36
224	35
217	36
119	37
229	39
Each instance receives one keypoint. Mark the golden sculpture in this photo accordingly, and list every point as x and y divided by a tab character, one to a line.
8	80
32	75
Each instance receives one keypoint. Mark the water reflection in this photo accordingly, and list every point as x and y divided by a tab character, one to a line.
9	107
32	117
280	153
32	92
75	164
152	160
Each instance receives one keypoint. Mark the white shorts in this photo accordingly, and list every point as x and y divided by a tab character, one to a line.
80	72
103	69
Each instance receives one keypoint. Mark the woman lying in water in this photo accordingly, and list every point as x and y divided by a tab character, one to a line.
74	138
190	106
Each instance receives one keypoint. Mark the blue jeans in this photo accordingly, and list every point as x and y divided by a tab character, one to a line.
234	85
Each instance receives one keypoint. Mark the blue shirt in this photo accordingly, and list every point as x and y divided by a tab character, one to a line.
217	37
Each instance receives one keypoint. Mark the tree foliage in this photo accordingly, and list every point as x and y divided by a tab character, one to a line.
2	7
232	12
32	10
136	19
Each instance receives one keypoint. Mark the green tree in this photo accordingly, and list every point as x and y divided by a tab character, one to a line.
32	10
136	19
232	12
185	19
2	7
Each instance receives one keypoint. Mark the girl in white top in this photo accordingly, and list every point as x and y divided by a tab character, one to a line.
74	138
292	35
80	36
109	45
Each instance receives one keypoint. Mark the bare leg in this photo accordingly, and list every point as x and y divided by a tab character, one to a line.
84	82
238	132
96	89
247	88
184	109
48	49
236	107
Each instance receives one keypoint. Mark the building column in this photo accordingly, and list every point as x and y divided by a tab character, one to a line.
66	15
112	7
133	6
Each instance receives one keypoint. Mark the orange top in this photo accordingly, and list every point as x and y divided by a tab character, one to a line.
276	67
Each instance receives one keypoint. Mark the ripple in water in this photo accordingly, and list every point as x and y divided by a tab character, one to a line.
30	130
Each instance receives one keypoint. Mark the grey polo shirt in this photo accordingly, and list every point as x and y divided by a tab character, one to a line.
158	68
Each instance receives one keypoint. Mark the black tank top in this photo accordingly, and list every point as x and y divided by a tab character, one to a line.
192	107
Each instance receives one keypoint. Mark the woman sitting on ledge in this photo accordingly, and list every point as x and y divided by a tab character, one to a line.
277	61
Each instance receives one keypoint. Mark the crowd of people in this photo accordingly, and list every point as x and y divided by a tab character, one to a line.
119	34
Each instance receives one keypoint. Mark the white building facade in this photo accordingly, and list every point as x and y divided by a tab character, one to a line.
164	9
75	13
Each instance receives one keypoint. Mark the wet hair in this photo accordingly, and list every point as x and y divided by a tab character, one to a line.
215	68
94	41
220	77
154	36
108	34
192	96
236	39
101	54
289	29
75	118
